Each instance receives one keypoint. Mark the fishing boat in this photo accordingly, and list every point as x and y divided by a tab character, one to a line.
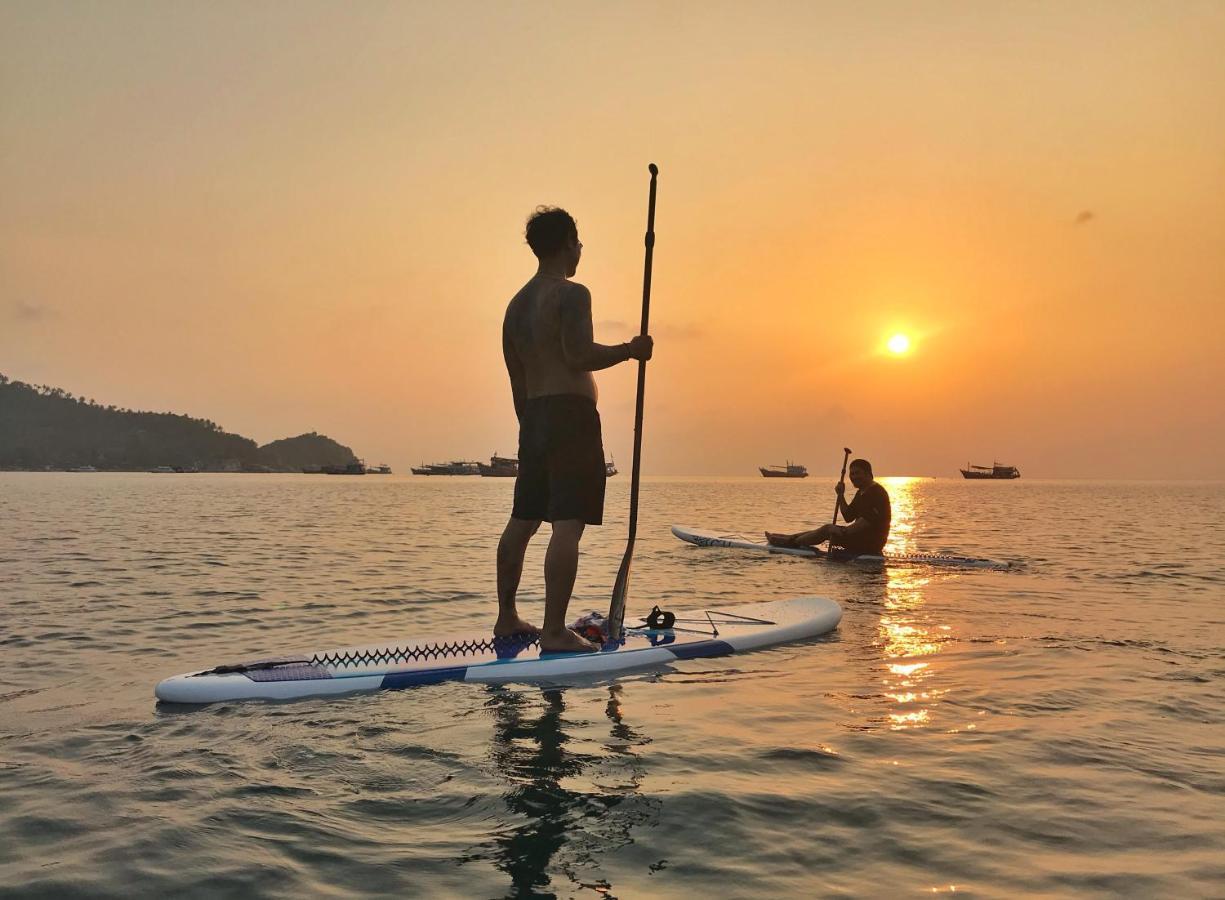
353	468
499	467
380	469
508	467
995	470
790	470
455	467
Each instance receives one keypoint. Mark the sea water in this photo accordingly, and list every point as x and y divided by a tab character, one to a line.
1054	729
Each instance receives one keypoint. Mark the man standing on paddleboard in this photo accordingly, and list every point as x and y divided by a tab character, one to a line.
550	354
868	516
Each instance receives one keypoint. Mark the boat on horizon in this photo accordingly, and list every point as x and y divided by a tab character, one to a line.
508	467
995	470
499	467
353	468
455	467
380	469
790	470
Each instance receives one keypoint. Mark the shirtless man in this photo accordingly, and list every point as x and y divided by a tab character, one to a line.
550	355
868	517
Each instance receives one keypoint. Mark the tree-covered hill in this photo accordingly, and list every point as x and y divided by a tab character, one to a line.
306	451
44	427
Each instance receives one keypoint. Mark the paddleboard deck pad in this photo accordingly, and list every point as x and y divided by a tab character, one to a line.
484	658
703	538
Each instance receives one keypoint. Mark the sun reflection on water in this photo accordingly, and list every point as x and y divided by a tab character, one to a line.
907	503
905	634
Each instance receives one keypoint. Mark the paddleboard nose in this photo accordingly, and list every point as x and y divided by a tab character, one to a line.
173	690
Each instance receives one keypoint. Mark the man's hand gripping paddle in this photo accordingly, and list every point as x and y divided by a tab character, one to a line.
846	454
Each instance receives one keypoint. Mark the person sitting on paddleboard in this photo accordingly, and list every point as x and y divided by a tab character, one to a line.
550	354
868	516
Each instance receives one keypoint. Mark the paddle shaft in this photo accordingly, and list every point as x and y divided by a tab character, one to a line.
846	454
616	610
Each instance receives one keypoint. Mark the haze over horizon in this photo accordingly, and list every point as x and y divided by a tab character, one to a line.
309	218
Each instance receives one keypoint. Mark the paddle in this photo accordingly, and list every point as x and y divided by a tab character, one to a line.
846	454
616	610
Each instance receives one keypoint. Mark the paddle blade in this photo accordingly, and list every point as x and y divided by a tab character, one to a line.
620	594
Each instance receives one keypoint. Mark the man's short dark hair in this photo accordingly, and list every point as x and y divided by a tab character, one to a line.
548	230
862	464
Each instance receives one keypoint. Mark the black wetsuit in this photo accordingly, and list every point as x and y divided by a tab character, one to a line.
872	505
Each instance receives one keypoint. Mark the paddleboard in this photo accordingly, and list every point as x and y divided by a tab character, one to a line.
703	538
484	658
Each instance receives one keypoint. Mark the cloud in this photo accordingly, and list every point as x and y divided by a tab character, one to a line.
681	332
1085	216
29	311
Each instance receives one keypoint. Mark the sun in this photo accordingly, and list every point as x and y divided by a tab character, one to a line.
898	345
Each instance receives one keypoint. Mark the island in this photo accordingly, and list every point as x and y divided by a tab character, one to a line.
45	428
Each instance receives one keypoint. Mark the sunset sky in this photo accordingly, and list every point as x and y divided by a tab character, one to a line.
300	216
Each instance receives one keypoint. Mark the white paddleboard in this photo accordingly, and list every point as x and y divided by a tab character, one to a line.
703	538
483	658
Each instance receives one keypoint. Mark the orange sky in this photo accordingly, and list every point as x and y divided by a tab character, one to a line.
295	216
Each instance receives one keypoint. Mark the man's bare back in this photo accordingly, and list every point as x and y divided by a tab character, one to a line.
542	322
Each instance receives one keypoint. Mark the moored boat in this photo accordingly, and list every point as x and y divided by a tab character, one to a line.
499	467
353	468
995	470
790	470
455	467
508	467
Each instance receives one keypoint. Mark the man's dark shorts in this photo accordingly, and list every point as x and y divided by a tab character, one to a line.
561	461
860	545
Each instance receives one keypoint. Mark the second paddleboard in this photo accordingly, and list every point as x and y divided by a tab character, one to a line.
704	538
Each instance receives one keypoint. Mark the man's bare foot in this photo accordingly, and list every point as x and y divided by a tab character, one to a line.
565	641
508	625
779	540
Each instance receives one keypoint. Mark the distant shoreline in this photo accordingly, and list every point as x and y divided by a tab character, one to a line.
652	476
44	428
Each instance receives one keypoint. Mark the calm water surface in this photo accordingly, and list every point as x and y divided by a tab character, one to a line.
1053	730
